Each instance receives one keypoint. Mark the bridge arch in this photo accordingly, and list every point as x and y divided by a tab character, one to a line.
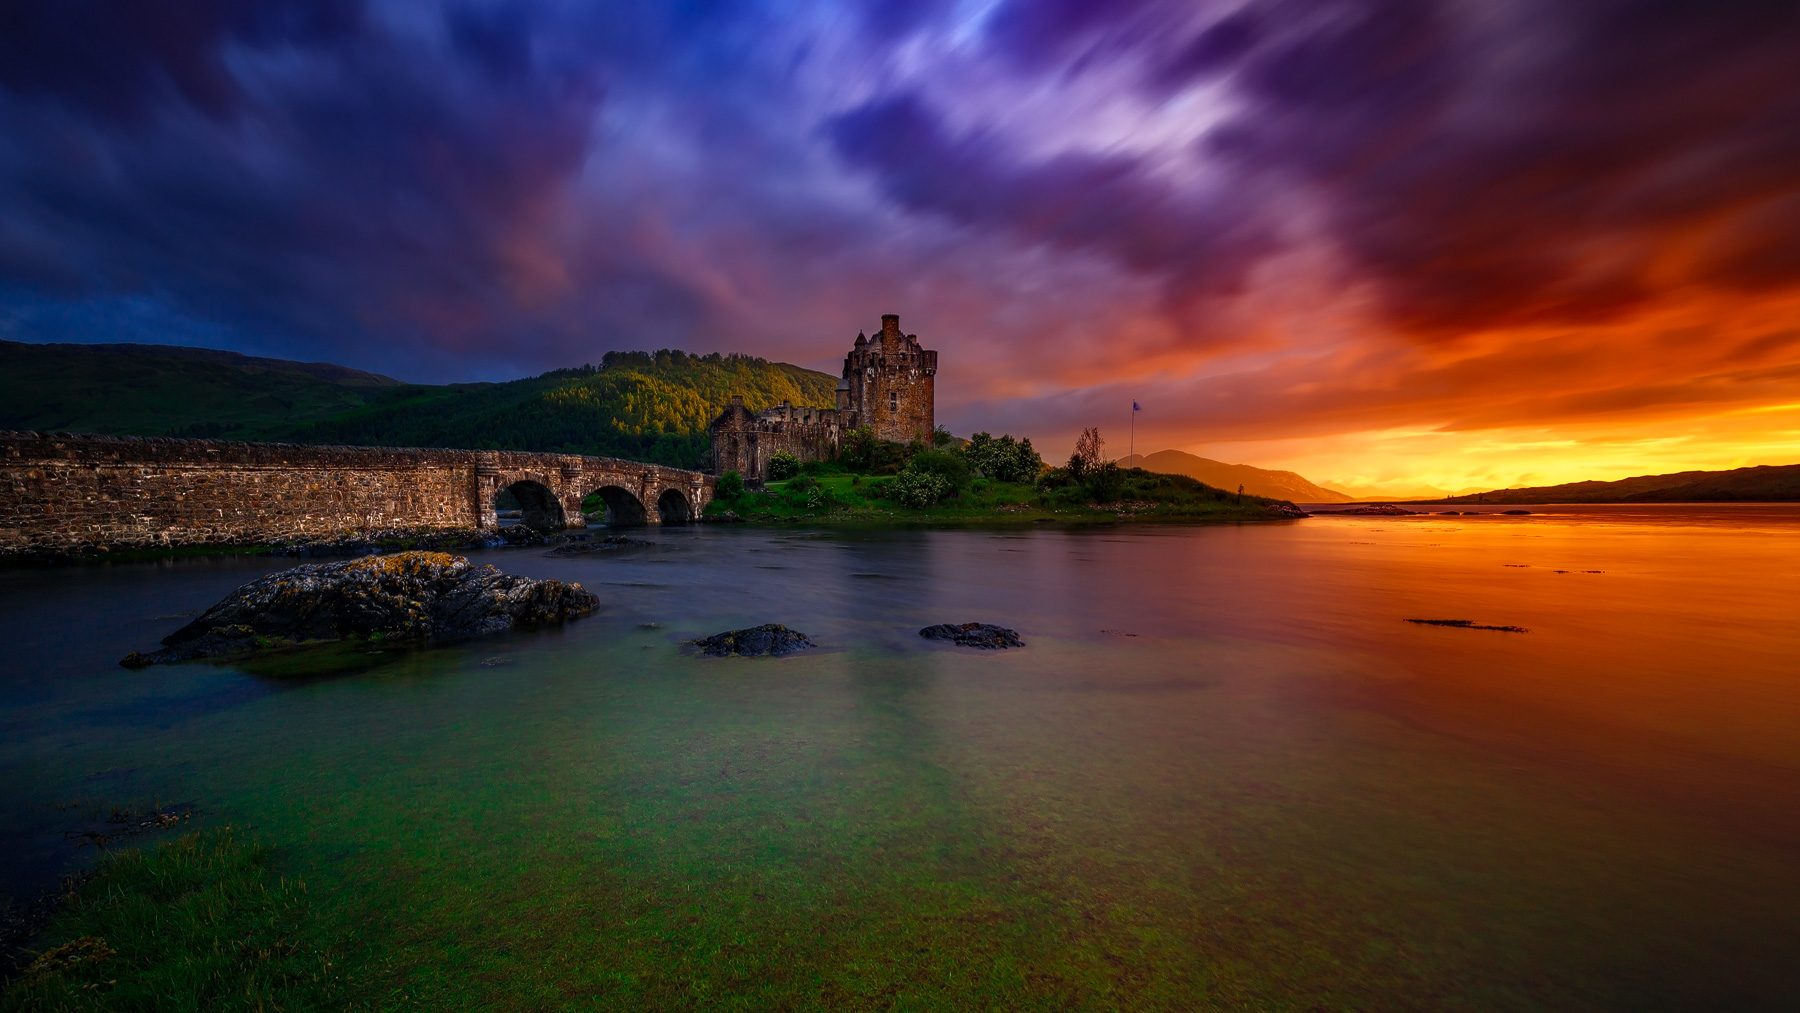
674	507
623	508
539	508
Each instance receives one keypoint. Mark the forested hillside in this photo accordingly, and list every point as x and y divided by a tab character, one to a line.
170	390
645	406
640	405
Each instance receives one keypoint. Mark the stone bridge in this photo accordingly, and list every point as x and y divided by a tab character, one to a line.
62	492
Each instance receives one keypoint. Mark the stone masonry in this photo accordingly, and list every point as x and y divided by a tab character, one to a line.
888	385
67	493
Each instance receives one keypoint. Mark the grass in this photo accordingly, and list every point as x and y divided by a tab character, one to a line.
201	922
859	499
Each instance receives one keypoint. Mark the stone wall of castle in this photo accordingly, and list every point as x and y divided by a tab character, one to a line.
743	441
71	493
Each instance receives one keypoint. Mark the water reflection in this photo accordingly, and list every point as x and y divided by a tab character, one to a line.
1225	765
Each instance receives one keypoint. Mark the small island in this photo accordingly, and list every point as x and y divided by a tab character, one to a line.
984	480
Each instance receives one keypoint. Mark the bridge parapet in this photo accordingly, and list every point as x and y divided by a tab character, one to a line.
63	492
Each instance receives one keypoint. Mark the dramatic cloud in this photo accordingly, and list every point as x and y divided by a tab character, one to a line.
1284	224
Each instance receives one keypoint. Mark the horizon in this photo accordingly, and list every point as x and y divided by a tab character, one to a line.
1383	244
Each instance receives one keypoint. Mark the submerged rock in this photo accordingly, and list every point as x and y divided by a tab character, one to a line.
985	636
368	543
611	543
423	596
771	639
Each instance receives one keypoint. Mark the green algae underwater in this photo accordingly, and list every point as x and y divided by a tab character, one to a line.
1225	773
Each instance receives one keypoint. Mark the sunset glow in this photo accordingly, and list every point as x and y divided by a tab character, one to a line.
1388	244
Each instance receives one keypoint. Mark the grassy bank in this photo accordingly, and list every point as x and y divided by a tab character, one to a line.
198	923
850	499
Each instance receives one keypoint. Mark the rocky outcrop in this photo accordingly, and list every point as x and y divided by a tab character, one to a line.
769	639
984	636
419	596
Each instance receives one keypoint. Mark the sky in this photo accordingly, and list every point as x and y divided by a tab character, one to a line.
1385	243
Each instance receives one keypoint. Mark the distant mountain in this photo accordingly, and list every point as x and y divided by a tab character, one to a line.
169	390
1767	484
1388	492
1256	481
641	405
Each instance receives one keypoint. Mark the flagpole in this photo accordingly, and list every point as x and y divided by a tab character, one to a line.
1133	443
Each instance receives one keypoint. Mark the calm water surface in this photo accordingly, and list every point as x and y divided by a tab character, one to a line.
1225	773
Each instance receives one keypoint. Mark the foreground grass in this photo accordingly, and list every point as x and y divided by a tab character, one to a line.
860	499
197	923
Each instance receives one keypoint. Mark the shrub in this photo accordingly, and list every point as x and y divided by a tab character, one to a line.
783	465
730	486
1104	483
859	446
918	489
948	465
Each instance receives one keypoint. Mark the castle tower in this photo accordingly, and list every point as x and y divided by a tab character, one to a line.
890	381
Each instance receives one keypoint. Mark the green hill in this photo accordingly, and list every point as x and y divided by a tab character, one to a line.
640	405
169	390
1764	484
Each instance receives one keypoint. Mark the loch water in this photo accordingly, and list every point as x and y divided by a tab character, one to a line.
1225	772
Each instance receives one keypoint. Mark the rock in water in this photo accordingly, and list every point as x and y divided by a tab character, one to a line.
767	639
611	543
986	636
407	596
1371	510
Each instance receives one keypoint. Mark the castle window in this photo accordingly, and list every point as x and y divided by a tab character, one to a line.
893	401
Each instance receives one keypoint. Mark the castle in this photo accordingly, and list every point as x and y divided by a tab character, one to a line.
886	385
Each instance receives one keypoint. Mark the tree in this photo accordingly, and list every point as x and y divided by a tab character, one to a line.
1088	449
859	449
1003	458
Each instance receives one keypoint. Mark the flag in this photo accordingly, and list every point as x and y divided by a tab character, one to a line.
1136	407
